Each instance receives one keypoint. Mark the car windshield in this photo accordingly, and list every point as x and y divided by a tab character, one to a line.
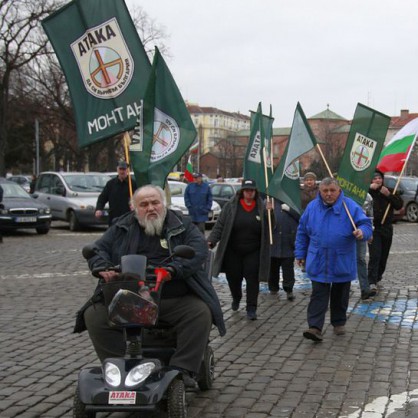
13	190
177	189
87	182
410	184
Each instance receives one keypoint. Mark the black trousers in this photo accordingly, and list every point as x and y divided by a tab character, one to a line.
288	273
237	267
189	315
379	250
337	295
201	226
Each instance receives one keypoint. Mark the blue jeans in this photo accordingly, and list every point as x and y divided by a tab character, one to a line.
362	266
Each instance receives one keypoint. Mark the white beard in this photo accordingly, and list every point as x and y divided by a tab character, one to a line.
153	227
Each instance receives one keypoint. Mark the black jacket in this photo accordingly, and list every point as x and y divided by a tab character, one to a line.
380	204
115	192
122	238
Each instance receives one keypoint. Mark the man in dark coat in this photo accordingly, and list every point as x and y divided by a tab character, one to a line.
189	302
282	249
117	193
379	247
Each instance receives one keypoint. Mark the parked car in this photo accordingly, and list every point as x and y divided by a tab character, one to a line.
72	196
408	189
22	180
19	210
177	189
223	192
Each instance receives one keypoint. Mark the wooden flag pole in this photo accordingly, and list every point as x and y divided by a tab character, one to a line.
394	191
331	175
268	197
126	142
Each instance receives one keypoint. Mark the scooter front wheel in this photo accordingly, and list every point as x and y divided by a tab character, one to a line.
176	400
79	408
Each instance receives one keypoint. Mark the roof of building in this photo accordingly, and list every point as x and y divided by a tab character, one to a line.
397	122
213	110
327	114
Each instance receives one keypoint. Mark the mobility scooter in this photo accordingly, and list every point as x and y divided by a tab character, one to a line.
142	380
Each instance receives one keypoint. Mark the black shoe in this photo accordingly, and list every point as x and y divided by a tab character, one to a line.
235	305
313	334
252	315
188	379
368	295
290	296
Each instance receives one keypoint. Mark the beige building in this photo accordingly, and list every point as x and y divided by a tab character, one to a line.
214	125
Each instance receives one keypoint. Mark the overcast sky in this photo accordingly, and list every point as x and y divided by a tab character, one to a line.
232	54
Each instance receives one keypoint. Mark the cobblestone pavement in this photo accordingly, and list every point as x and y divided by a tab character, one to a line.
264	368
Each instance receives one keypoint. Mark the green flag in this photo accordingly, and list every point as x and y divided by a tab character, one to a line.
364	144
267	122
165	130
104	63
285	183
254	161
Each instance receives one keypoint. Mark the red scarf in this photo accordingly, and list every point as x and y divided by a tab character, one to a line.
247	207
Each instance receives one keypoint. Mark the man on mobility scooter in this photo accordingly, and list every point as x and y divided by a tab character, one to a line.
189	302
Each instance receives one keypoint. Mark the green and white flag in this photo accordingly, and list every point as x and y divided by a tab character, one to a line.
165	130
364	143
285	183
104	63
254	161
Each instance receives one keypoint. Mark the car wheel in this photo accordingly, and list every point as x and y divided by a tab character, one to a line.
72	219
412	212
42	230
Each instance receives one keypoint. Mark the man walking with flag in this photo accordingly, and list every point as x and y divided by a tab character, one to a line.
326	243
384	202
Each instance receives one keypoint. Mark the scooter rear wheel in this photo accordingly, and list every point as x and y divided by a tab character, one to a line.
207	370
176	400
79	408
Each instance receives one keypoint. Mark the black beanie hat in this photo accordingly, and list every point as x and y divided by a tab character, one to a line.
379	173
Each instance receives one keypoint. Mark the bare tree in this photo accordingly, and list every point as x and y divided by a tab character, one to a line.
150	32
20	42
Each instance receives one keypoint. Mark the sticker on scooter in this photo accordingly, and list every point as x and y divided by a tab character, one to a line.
124	397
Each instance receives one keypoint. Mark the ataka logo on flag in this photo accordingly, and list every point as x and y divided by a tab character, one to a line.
292	171
255	154
166	136
104	60
362	152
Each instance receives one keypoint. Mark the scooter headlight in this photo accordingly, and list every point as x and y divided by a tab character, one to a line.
112	374
138	374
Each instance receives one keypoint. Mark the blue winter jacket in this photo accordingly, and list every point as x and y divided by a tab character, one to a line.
198	200
326	242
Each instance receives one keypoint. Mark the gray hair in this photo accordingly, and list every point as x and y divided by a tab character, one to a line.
327	181
152	187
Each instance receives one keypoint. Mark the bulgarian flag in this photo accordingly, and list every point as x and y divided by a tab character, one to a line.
188	174
396	153
194	148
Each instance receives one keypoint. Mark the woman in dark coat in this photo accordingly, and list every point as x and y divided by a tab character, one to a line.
244	248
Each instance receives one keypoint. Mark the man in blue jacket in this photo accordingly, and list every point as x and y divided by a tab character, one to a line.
198	200
326	243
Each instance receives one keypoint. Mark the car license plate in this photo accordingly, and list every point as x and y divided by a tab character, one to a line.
210	214
122	397
26	219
